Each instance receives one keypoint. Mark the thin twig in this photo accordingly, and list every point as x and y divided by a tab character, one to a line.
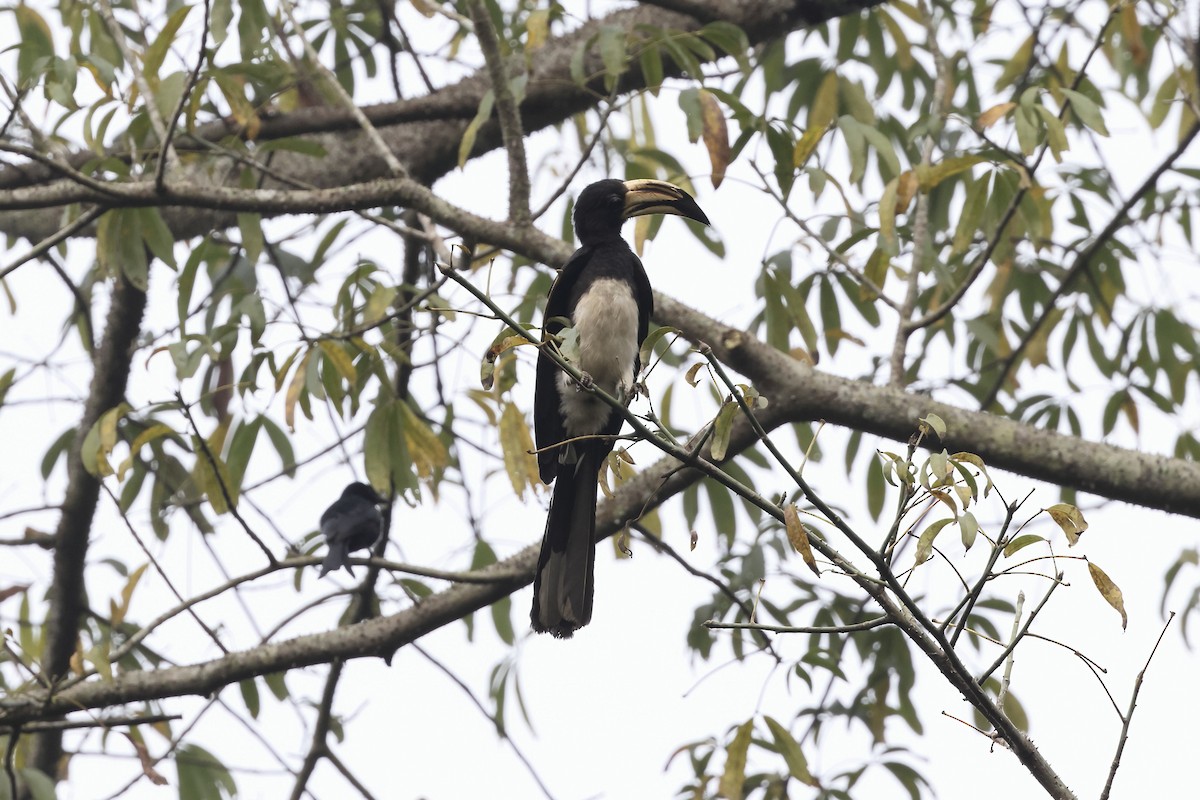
981	261
1128	716
492	717
347	101
1083	261
226	493
61	235
922	238
160	171
983	676
159	569
509	116
148	96
853	627
661	546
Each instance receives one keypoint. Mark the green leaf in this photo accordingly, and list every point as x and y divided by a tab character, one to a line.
472	130
1056	134
1022	541
925	542
1086	109
646	353
157	235
887	218
652	68
201	775
689	103
733	779
611	40
222	15
35	44
502	619
856	146
875	488
249	691
119	246
793	756
156	53
6	382
972	216
721	430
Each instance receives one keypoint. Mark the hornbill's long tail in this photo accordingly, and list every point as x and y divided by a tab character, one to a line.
562	586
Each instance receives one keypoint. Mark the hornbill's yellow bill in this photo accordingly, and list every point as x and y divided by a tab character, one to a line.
603	290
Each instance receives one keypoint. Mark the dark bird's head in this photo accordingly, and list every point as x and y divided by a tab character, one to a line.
604	206
363	491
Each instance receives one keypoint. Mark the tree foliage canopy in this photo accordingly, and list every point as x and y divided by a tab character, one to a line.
278	240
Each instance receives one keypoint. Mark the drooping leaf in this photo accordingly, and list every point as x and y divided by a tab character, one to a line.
1109	591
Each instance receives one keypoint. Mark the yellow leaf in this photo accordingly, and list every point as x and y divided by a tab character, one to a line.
425	8
537	29
825	103
1070	519
716	135
428	453
905	189
932	175
994	114
340	359
798	536
293	392
1109	591
155	431
807	144
1131	30
516	445
120	609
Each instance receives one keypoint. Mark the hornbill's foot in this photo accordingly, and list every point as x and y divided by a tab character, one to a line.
584	383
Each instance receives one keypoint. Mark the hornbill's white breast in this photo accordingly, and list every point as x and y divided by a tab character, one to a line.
606	320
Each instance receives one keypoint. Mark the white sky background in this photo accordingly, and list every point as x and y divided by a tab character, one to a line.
609	706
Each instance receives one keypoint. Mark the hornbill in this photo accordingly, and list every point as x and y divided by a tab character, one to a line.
351	523
603	293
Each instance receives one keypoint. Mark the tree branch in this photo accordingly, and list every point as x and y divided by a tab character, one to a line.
507	114
66	594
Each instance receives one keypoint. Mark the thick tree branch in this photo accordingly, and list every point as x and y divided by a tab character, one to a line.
424	132
1114	472
66	595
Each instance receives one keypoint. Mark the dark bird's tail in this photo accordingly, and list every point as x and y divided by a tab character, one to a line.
562	586
337	557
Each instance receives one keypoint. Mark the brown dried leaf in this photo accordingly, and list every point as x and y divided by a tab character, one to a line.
20	587
147	761
1070	519
716	135
798	536
994	114
905	189
1109	591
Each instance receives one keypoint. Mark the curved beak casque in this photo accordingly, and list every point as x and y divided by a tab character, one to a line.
659	197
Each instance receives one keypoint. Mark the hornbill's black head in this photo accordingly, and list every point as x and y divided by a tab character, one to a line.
602	207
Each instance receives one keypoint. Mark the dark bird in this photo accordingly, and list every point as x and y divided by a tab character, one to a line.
605	295
351	523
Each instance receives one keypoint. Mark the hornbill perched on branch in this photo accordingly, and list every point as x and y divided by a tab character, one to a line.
603	293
